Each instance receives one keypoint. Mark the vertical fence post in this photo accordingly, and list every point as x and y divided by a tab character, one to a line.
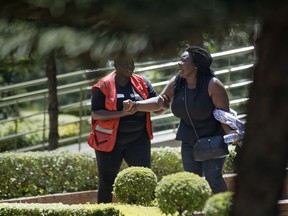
229	77
16	127
80	118
44	120
85	96
16	132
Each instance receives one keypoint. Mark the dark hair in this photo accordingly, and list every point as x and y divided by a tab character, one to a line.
202	60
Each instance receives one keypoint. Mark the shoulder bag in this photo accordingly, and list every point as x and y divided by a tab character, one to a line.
207	148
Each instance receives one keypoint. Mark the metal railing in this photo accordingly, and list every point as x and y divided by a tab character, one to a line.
83	86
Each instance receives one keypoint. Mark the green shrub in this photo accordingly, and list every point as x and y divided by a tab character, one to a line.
219	204
69	130
8	129
57	209
182	192
33	135
229	165
135	185
165	161
40	173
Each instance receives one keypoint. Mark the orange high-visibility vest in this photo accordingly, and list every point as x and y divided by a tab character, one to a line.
104	132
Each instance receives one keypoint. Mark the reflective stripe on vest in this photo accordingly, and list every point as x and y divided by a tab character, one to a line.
107	86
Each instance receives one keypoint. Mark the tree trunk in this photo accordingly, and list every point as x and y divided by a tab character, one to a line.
263	158
52	102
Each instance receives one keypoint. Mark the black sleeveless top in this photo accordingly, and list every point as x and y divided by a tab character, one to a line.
200	108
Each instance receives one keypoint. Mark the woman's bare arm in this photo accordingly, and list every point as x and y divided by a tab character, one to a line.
220	99
156	104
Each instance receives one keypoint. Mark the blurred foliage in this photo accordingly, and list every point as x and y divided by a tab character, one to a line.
14	70
33	136
39	173
103	28
229	165
234	36
219	204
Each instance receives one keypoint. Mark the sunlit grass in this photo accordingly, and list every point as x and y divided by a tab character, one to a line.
135	210
125	209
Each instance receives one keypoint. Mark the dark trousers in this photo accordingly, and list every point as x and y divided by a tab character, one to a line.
212	169
136	153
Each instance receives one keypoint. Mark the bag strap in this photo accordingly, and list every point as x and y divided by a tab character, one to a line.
186	107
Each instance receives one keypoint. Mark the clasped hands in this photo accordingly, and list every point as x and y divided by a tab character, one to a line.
161	101
130	106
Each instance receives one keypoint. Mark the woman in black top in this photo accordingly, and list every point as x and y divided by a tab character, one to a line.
132	142
204	93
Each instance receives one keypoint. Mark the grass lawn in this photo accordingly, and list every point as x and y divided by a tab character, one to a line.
134	210
32	208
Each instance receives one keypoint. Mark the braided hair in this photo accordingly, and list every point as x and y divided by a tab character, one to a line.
202	60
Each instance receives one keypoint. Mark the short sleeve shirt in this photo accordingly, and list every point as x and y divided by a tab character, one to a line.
130	126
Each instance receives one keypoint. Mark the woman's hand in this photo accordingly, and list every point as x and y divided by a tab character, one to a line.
128	105
129	112
237	141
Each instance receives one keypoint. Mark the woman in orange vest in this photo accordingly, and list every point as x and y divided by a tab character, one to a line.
119	134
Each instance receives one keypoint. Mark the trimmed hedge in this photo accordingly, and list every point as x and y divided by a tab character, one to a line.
41	173
111	209
57	210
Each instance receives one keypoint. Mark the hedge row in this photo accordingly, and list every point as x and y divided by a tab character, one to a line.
41	173
57	210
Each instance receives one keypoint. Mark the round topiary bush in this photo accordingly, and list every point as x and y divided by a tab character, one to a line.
165	161
182	192
135	185
219	204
